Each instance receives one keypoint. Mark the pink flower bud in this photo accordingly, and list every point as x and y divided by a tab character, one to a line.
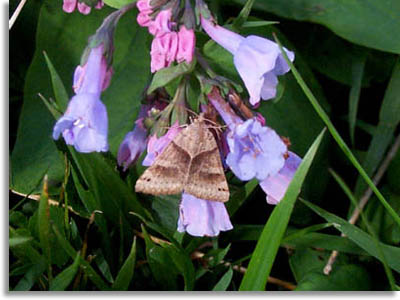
187	41
69	5
162	23
144	19
163	50
83	8
143	5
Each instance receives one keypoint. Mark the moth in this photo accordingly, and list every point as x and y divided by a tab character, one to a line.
191	163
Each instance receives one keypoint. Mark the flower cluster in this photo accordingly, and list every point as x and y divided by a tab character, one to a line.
248	147
172	42
84	7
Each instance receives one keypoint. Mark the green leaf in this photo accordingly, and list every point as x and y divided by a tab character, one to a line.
164	76
244	14
87	268
389	119
240	196
125	275
335	134
224	282
361	238
118	3
363	22
354	97
267	246
44	225
307	266
17	241
58	86
63	280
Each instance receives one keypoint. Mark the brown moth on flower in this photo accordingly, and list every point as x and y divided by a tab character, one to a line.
191	163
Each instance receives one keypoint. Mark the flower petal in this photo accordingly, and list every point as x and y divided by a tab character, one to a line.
200	217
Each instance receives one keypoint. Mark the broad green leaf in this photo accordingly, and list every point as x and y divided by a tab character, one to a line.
224	282
118	3
307	266
125	275
267	246
389	119
63	280
34	151
361	238
165	76
363	22
335	134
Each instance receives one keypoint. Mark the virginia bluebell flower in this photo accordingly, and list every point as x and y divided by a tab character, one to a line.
200	217
85	124
255	151
258	60
275	186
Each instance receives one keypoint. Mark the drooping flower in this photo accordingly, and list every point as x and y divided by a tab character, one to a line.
255	151
135	141
70	5
200	217
85	124
156	145
275	186
258	60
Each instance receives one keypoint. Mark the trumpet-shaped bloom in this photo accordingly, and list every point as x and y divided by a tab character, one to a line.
157	145
255	151
258	60
200	217
70	5
85	124
275	186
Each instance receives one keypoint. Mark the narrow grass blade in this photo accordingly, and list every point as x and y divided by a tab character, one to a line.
224	282
244	14
335	134
44	225
361	238
125	275
60	92
63	280
87	268
354	97
350	195
389	119
267	246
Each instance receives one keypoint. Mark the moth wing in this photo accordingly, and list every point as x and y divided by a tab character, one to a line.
167	174
206	178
